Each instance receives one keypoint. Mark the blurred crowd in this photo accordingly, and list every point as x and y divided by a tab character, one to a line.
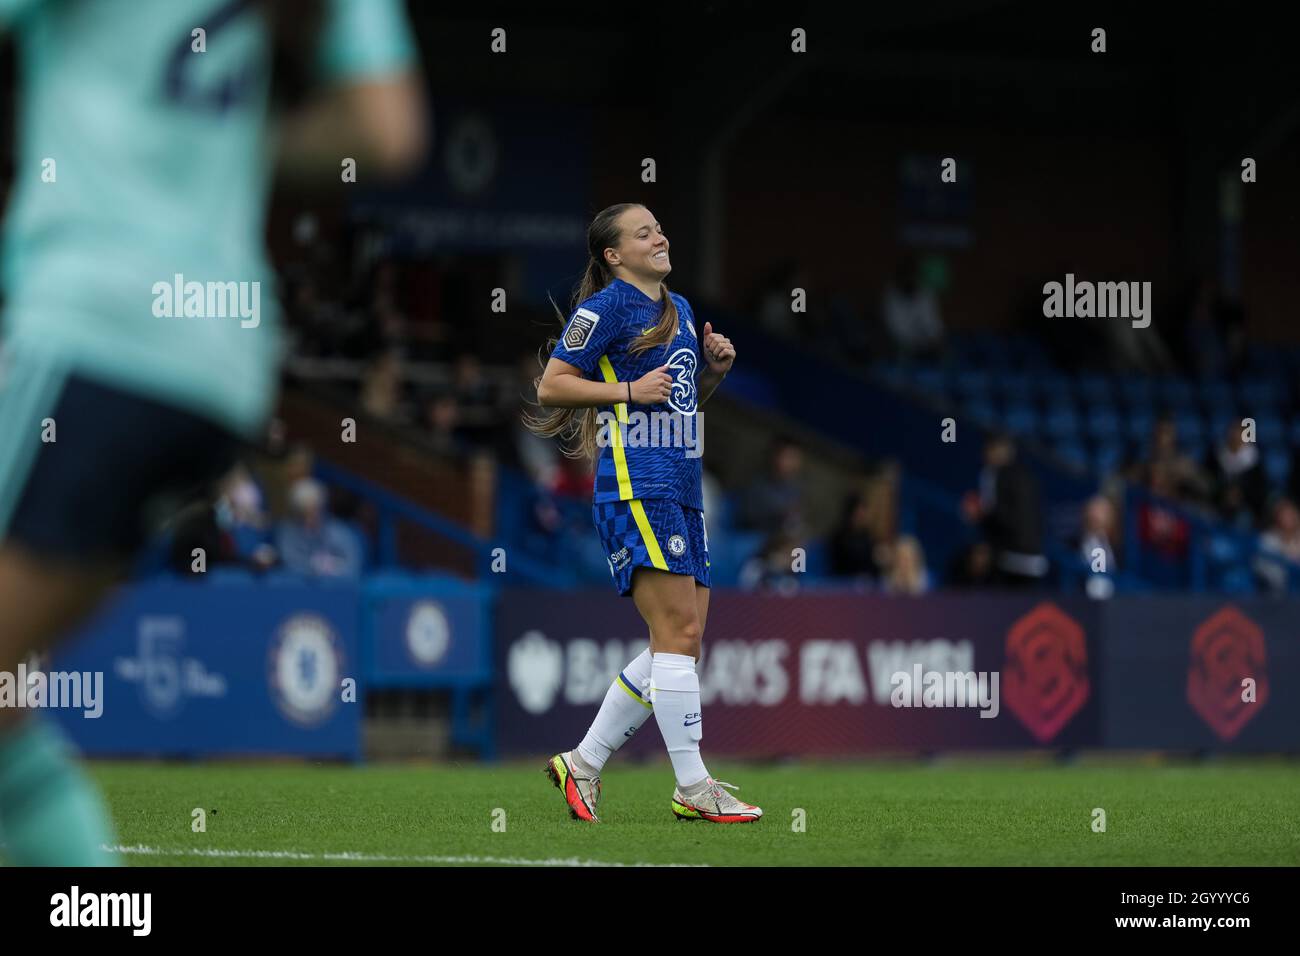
271	514
382	338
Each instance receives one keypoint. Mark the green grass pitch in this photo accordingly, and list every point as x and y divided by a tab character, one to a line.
950	813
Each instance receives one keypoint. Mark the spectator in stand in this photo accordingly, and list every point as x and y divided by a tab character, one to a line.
1099	533
972	567
776	500
1237	477
312	541
442	418
1168	466
1204	345
280	471
574	479
481	423
775	300
1283	534
1280	546
1158	526
1096	547
472	387
1008	510
772	569
910	309
241	516
853	545
906	573
196	529
381	387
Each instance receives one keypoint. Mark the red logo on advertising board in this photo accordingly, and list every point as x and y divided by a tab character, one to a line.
1226	649
1045	678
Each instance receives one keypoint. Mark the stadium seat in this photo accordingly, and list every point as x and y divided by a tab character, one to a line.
932	380
1191	428
1269	431
1216	397
817	559
1266	359
1072	452
1138	393
229	575
1015	388
973	383
1103	423
1277	465
1055	389
1176	392
1217	425
1260	395
1108	457
729	553
1137	426
1021	419
1237	580
982	411
282	577
1095	389
890	374
1061	422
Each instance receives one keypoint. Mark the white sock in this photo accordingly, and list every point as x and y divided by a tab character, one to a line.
621	715
675	694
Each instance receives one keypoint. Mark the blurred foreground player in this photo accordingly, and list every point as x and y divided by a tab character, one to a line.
142	165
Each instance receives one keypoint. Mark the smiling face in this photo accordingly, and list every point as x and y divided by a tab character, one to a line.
642	251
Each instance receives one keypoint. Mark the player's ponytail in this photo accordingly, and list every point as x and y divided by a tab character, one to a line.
577	428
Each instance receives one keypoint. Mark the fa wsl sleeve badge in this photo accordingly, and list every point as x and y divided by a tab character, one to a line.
580	328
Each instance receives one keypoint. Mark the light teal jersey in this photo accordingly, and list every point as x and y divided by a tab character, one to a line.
133	249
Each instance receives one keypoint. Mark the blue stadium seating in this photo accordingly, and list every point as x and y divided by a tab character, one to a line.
1103	423
1072	452
1021	419
1061	422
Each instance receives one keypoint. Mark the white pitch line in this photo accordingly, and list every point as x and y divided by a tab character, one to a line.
353	857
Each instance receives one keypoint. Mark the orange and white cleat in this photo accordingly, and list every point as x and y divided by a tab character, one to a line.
581	791
708	801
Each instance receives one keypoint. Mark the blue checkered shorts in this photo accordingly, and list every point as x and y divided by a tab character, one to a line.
652	533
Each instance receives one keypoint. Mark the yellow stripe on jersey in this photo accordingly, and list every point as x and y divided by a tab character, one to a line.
616	436
648	536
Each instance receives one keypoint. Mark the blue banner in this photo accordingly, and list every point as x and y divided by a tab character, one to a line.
240	668
426	634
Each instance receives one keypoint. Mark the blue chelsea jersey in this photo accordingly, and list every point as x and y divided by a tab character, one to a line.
646	451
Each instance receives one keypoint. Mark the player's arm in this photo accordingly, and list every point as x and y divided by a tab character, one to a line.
379	123
566	386
719	354
370	105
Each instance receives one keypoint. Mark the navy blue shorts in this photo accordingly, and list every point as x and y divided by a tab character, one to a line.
652	533
115	461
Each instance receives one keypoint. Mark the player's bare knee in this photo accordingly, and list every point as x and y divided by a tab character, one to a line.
684	638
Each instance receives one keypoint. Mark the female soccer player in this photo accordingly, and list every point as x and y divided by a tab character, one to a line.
627	376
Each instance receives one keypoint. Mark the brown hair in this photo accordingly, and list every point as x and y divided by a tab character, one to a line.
580	423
